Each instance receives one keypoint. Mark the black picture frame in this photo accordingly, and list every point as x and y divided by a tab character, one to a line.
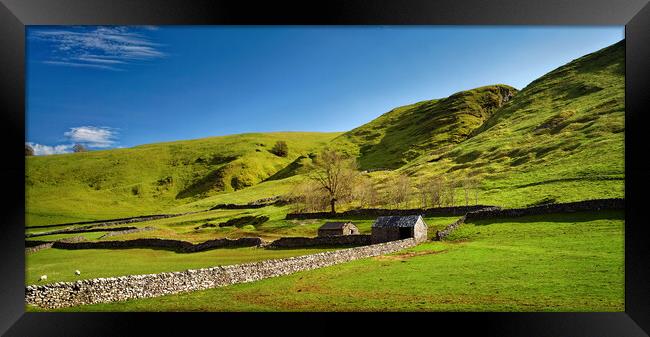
16	14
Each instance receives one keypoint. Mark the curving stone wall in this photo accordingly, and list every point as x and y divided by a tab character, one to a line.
443	233
127	231
569	207
102	290
338	240
375	212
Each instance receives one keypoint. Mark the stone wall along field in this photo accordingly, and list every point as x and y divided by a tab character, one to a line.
102	290
569	207
338	240
173	245
376	212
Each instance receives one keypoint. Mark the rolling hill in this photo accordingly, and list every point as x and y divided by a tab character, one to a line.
405	133
560	138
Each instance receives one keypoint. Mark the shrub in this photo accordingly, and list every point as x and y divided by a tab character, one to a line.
280	149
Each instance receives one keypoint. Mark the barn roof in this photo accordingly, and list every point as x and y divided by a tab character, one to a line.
396	221
333	225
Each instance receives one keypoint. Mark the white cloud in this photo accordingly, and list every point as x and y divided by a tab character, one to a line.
42	150
99	47
92	136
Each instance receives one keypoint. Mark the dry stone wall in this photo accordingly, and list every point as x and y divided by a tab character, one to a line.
102	290
173	245
118	221
569	207
338	240
376	212
85	229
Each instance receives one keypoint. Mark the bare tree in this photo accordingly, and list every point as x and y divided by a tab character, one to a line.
307	196
437	191
336	175
425	188
79	148
365	192
450	192
400	190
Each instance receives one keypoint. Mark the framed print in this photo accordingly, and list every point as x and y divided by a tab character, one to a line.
459	164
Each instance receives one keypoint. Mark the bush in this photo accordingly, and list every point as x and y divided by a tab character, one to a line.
280	149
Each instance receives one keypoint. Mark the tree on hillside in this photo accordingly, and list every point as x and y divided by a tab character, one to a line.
280	149
29	151
424	187
400	190
470	186
79	148
307	196
336	175
365	192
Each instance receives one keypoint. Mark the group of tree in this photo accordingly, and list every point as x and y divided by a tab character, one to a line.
335	180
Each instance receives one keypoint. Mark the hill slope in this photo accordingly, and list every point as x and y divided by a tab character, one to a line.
561	137
150	178
405	133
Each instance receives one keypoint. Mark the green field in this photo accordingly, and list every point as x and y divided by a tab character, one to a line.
60	264
568	262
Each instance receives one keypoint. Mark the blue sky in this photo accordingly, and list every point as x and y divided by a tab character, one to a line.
112	86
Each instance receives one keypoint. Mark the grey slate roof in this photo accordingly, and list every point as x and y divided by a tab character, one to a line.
333	225
396	221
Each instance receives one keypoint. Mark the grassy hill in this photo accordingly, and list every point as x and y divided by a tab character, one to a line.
155	177
405	133
560	138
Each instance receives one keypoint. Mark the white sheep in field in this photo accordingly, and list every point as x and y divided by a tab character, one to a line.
43	278
77	272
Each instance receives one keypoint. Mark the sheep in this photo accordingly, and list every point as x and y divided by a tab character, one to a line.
77	272
43	278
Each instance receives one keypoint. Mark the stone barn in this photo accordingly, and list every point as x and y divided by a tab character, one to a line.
337	228
391	228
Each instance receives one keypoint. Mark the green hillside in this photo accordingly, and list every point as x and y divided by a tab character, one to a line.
560	138
407	132
152	178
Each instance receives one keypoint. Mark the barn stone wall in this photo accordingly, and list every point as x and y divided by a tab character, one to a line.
102	290
420	231
340	240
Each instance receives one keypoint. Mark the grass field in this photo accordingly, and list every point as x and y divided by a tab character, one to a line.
59	264
564	262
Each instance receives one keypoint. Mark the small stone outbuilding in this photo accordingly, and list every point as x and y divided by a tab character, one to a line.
391	228
337	228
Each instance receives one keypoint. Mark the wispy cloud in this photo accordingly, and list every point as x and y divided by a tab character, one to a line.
100	47
92	136
43	150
